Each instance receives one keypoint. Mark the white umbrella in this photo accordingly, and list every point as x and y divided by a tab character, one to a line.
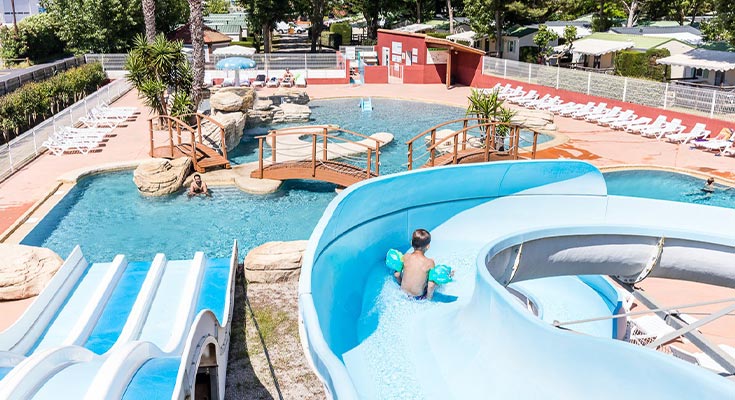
234	50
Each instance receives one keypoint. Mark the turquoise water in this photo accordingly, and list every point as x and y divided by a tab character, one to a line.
665	185
404	119
106	216
156	379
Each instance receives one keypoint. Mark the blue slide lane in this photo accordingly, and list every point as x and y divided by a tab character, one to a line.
4	371
156	379
214	285
116	313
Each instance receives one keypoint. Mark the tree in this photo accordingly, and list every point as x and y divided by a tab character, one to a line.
262	16
632	7
570	35
217	7
372	10
149	16
726	18
196	28
160	72
450	14
543	37
170	14
35	39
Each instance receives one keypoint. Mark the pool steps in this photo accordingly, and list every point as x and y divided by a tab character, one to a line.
163	324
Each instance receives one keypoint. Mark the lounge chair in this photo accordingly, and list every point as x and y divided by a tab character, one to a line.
567	112
554	101
613	112
259	81
500	88
670	128
106	106
556	109
699	131
95	122
532	103
699	358
623	125
516	92
626	115
300	81
583	113
531	95
658	123
287	82
714	144
646	329
272	82
82	140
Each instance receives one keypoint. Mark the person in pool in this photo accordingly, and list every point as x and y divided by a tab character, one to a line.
198	187
709	186
414	279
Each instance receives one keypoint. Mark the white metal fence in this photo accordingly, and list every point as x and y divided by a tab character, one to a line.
711	102
27	145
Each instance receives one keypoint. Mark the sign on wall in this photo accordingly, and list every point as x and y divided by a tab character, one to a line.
437	57
415	55
350	52
396	48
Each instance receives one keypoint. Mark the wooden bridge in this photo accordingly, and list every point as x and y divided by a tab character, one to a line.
315	158
448	146
185	140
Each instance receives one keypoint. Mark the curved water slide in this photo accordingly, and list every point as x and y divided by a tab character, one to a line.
499	224
122	329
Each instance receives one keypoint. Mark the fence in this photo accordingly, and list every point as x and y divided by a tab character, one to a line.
712	102
14	80
28	145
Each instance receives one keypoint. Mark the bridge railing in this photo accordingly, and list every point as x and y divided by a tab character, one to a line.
433	137
177	128
321	146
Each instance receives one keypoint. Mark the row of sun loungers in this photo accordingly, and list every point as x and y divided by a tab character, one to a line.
91	132
619	119
263	81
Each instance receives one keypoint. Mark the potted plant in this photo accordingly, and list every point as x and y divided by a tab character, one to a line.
489	106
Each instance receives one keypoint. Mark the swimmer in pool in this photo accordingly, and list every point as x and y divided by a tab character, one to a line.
198	187
709	186
414	279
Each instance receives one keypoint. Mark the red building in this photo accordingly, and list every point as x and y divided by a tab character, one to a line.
418	58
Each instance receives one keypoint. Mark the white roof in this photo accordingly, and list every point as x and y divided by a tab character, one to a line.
559	30
234	50
702	58
685	37
598	47
413	28
468	36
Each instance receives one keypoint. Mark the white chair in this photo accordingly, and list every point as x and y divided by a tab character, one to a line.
672	127
568	112
532	103
548	103
516	92
625	116
658	123
300	81
646	329
714	144
699	358
623	125
556	109
613	112
699	131
530	96
272	82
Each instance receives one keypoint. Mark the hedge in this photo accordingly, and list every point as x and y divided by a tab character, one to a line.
36	39
344	30
635	64
35	101
330	39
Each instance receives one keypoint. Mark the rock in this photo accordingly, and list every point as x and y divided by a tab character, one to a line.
534	119
291	113
295	96
262	105
225	102
275	262
160	177
259	117
234	124
25	270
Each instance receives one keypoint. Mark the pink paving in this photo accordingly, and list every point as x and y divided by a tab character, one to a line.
600	146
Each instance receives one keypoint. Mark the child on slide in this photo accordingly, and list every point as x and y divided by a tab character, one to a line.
417	274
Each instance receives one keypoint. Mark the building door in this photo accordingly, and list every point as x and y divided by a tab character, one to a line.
395	73
719	78
386	56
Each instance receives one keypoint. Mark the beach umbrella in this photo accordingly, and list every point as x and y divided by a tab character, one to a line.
236	64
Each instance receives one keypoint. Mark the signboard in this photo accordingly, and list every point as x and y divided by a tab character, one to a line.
396	58
396	48
350	52
415	55
408	58
437	57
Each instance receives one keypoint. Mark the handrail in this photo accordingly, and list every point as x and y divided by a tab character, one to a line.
300	130
435	127
175	124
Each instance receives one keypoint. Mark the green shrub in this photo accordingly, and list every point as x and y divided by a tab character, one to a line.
636	64
529	54
344	31
36	39
36	101
330	39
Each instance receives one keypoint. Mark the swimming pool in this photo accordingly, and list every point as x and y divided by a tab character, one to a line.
667	185
404	119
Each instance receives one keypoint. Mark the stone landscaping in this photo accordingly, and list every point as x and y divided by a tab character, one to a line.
25	270
275	262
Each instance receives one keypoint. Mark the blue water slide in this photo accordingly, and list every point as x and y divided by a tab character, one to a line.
498	224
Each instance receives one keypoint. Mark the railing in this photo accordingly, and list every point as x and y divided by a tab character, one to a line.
174	126
28	145
16	79
263	62
711	102
295	151
421	136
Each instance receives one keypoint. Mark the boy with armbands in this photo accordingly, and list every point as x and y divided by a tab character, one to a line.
416	273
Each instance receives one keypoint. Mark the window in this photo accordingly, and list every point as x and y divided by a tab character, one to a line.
511	46
701	73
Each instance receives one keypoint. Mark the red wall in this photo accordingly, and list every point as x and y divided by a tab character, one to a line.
713	125
465	68
376	74
432	73
407	42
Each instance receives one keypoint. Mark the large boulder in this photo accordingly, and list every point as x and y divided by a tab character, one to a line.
25	270
246	94
295	96
225	102
535	119
234	124
289	112
275	262
159	177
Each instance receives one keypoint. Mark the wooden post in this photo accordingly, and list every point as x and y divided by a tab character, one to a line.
150	130
433	137
324	152
464	135
194	152
369	161
178	133
535	142
199	128
488	133
432	157
449	69
170	130
171	143
455	158
260	156
515	139
410	156
273	146
313	155
377	158
223	142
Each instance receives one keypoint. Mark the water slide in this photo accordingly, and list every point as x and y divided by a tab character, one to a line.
545	229
123	330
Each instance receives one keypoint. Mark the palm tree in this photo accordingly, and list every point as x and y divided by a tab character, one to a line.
196	28
149	15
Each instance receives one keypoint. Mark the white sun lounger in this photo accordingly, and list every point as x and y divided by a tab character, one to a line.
715	144
672	127
613	112
623	125
699	131
568	112
272	82
699	358
500	88
561	107
598	109
110	113
516	92
532	103
530	96
96	122
548	103
625	116
83	140
657	123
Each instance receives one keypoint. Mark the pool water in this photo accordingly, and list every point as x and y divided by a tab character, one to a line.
106	216
404	119
666	185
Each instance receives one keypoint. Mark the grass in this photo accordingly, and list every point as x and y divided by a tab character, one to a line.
271	322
